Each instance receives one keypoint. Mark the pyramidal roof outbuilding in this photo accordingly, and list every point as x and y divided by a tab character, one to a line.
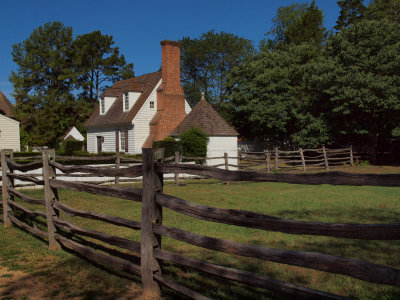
204	117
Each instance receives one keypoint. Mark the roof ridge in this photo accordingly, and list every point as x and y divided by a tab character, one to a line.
205	117
5	105
136	77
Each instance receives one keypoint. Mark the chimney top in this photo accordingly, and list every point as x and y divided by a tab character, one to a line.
172	43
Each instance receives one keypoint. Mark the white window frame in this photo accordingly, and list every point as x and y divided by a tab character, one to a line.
122	141
126	101
152	104
102	106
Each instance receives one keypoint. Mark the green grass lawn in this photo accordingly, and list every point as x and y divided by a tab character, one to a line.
73	277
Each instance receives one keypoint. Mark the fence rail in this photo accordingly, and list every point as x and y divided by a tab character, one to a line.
153	200
301	159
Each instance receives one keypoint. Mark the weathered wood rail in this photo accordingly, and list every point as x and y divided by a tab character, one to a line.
153	201
301	159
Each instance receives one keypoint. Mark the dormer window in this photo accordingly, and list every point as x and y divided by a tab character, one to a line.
126	101
102	106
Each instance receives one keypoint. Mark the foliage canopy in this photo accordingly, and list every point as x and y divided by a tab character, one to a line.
58	79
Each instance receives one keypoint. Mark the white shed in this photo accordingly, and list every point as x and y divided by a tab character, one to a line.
222	138
74	134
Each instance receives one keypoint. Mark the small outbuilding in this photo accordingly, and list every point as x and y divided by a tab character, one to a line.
221	136
73	134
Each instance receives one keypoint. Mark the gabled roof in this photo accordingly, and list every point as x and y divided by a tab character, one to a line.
115	115
9	119
204	117
5	106
71	133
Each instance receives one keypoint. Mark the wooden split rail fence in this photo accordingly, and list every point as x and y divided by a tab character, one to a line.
153	201
301	159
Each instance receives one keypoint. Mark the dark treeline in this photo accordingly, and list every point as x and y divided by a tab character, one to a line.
305	85
59	79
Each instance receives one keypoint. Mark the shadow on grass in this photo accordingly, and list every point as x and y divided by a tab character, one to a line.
368	215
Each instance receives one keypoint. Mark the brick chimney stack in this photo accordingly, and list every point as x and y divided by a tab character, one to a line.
171	67
170	96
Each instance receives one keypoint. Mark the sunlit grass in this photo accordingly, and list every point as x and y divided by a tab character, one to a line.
323	203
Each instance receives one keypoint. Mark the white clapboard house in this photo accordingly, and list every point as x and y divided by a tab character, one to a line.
135	112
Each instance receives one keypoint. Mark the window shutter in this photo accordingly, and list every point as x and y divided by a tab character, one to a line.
117	141
126	141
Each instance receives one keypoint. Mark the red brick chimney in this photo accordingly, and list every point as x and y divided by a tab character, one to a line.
170	96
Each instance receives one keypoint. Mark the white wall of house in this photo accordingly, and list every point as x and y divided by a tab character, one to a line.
132	98
75	134
141	125
9	134
187	107
109	144
109	139
142	120
108	102
218	145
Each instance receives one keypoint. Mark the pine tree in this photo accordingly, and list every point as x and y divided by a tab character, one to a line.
43	81
351	11
98	63
207	60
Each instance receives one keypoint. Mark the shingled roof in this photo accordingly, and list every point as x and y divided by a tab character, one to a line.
115	115
5	106
204	117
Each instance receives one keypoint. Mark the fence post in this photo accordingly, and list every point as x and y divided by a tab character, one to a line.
176	173
276	158
150	212
325	158
303	161
50	195
226	164
267	160
351	156
117	166
6	182
239	158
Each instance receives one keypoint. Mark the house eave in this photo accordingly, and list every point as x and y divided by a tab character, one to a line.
105	126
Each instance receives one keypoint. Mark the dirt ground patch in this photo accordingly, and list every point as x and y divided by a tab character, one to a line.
20	285
16	284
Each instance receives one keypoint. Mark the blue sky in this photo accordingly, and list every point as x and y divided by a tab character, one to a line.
139	26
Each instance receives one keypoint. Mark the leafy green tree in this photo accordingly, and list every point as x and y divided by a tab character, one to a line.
98	63
384	10
297	24
43	81
286	17
207	60
358	81
269	100
351	11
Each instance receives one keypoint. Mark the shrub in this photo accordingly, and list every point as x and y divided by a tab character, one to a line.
194	143
68	147
22	154
170	146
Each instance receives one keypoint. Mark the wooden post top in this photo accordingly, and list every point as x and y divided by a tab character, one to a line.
50	153
7	152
